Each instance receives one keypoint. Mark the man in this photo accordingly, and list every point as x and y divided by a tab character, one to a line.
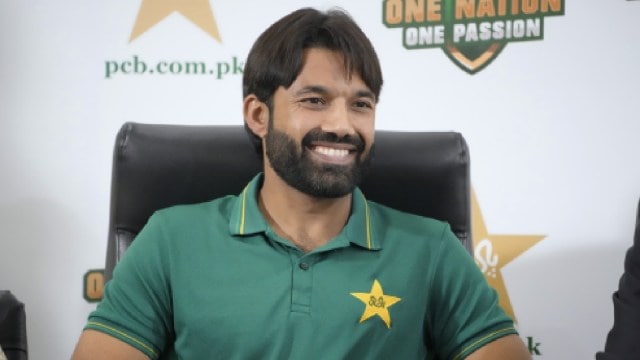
622	342
300	264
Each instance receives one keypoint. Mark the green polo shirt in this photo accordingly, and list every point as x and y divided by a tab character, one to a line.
213	281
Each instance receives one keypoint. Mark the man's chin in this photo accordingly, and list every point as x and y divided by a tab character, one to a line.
329	192
334	184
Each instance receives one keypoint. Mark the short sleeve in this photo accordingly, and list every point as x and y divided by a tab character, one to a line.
464	313
136	306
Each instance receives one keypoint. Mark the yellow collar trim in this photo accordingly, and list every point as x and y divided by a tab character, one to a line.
244	204
367	221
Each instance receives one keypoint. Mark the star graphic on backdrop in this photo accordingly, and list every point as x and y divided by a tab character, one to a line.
493	252
376	303
197	11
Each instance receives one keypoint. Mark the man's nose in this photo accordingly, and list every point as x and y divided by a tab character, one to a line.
338	120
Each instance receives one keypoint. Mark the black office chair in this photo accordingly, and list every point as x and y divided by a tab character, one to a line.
156	166
13	327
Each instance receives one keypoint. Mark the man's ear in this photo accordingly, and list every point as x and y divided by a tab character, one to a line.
256	115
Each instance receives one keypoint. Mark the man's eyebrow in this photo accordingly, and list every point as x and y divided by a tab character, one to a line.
317	89
313	89
366	94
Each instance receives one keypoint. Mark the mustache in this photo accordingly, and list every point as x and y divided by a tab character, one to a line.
317	135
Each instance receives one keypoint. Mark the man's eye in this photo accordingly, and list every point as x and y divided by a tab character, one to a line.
313	100
363	104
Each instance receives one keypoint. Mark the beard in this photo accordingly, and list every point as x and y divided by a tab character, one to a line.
293	163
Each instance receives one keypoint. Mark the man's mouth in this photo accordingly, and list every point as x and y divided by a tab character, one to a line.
341	154
332	152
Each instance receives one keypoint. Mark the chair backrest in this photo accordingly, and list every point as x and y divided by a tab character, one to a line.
156	166
13	327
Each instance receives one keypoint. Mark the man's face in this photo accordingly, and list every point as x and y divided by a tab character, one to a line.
321	128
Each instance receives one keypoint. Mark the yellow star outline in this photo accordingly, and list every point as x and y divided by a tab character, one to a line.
376	303
493	252
197	11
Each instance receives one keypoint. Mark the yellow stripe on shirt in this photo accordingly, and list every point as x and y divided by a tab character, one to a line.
244	202
127	336
482	339
367	221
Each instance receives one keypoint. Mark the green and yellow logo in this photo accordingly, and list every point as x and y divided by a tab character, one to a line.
471	32
93	285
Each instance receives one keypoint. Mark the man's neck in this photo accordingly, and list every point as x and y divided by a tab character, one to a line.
304	220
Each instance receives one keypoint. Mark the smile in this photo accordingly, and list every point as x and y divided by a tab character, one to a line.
332	152
339	155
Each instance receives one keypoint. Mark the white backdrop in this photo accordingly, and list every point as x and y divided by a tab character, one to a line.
552	126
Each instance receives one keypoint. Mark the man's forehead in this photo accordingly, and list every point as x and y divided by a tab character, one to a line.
315	58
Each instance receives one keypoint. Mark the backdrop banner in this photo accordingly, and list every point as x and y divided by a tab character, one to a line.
545	93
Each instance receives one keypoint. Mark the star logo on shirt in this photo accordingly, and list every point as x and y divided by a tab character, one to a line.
376	303
197	11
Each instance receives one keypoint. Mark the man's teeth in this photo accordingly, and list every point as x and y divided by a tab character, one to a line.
331	151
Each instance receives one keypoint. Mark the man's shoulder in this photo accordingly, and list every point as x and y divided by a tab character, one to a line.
216	208
410	223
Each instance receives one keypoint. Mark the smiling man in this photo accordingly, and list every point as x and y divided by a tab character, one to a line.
318	136
300	265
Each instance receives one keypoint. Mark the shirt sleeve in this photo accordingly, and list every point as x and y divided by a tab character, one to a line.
464	313
136	305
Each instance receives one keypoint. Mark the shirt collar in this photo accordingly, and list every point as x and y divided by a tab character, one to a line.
247	219
360	227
